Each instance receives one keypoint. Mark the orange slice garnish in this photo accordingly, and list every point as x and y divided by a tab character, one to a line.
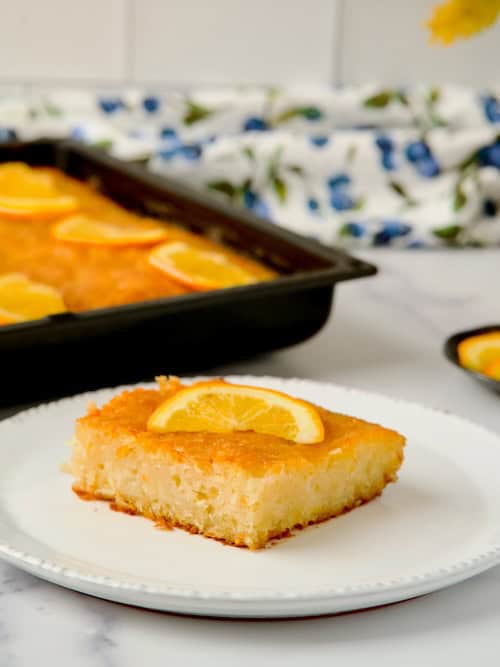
29	193
22	299
198	269
219	407
8	318
493	370
478	352
90	231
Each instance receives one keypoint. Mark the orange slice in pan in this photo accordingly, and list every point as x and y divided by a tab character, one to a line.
91	231
478	352
220	407
493	370
29	193
198	269
8	318
22	299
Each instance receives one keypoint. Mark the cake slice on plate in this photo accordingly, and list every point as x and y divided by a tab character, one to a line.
240	464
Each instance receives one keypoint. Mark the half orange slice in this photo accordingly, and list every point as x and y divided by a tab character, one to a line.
220	407
22	299
478	352
28	193
90	231
198	269
493	370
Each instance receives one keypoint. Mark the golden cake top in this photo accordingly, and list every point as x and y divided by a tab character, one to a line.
124	420
53	250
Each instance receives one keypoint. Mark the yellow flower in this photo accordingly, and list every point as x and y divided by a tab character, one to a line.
461	19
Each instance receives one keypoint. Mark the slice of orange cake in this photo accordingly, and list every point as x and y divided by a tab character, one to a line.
240	464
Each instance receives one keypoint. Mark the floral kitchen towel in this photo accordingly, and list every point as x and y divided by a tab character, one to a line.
354	166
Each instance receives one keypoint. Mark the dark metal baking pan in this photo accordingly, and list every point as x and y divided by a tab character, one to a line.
71	352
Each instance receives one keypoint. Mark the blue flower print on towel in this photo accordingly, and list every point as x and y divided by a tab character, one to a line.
168	133
319	140
388	162
151	104
255	204
187	151
78	133
417	150
111	104
419	154
339	181
340	199
255	124
168	154
386	148
352	229
489	208
241	194
428	168
491	107
313	205
384	143
7	134
391	229
190	151
489	156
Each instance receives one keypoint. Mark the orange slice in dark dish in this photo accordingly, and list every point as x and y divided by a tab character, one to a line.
198	269
478	352
27	193
493	370
22	299
92	231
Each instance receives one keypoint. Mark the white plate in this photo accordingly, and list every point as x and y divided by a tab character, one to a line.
439	525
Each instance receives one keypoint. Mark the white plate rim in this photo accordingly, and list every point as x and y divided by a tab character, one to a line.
173	598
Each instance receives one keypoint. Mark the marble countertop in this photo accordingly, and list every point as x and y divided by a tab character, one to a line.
386	335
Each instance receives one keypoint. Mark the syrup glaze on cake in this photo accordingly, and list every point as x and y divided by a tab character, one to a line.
96	276
243	488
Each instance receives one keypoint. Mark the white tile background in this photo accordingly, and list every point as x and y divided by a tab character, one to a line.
233	40
164	42
61	40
